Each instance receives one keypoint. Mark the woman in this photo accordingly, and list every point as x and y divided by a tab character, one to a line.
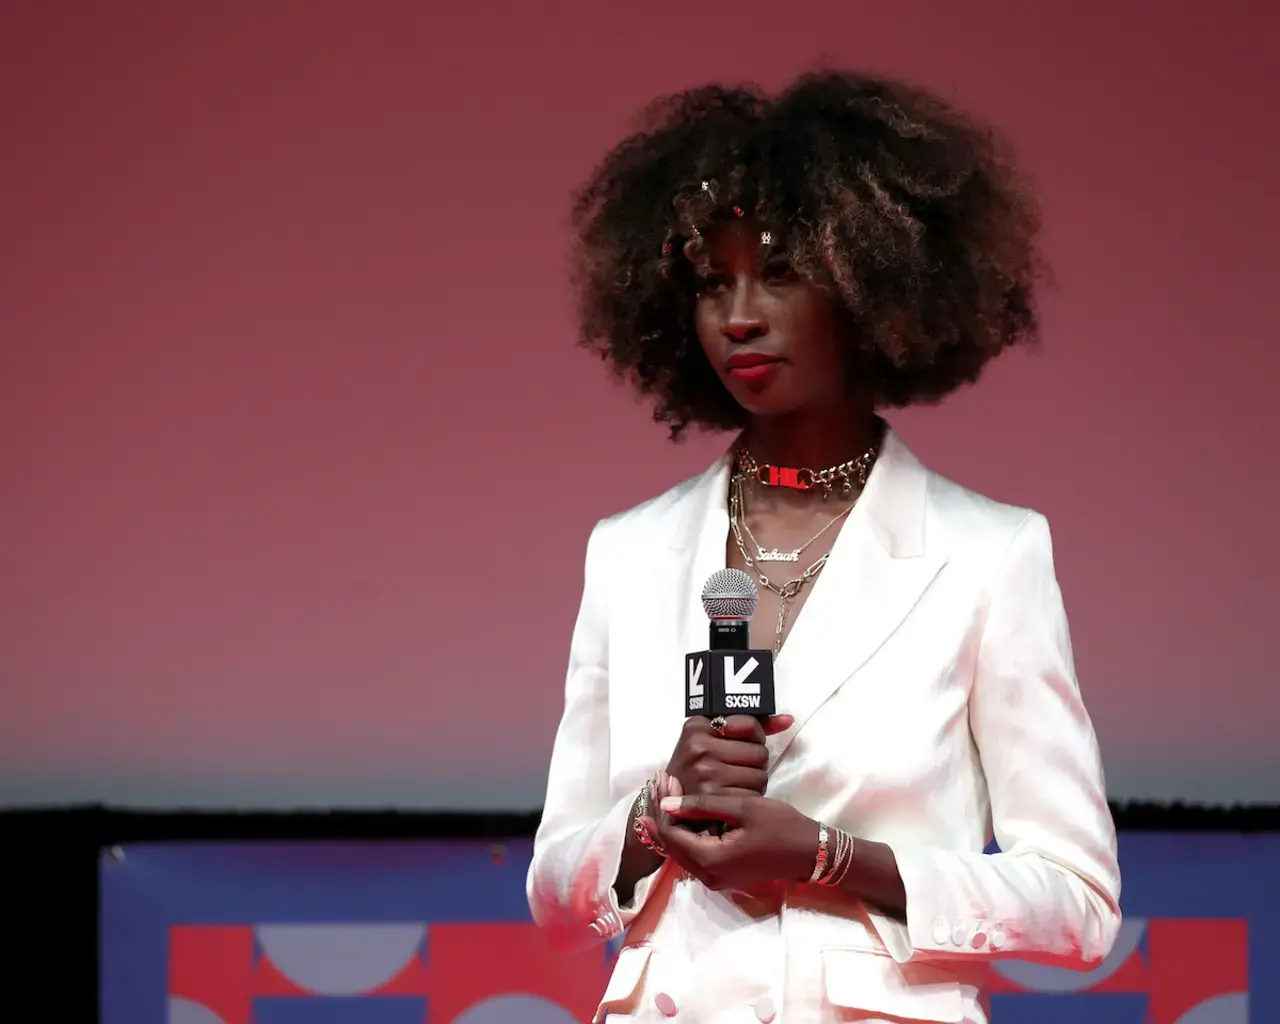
787	268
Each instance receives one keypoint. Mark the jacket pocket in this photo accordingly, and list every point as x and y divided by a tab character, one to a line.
855	979
624	983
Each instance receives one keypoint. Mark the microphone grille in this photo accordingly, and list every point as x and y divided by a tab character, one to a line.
730	594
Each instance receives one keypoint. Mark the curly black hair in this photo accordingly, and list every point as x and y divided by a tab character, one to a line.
908	212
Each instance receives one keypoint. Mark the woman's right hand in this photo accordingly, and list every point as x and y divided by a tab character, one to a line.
733	761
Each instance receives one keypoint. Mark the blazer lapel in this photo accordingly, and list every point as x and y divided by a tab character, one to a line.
879	567
701	544
686	546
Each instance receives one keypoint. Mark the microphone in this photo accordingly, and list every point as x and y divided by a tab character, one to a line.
729	678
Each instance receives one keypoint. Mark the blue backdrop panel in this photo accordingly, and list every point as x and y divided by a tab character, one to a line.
439	933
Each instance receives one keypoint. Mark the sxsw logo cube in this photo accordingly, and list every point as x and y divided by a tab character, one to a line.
729	683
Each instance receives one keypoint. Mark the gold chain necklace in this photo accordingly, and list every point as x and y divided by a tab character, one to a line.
776	554
785	591
846	473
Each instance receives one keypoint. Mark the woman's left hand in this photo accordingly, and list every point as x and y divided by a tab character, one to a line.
764	840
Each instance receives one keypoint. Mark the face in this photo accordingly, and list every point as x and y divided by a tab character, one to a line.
770	335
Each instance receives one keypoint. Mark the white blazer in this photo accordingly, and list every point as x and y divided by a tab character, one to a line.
930	675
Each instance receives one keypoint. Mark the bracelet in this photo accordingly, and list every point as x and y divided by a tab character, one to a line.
848	860
837	865
820	863
842	847
646	838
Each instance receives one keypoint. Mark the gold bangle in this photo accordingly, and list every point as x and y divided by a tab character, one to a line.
840	860
848	860
820	862
641	808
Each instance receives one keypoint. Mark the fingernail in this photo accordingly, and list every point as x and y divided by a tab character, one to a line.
670	803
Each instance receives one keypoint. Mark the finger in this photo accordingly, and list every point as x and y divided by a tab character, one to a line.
688	849
713	777
735	791
744	753
743	727
662	832
693	851
775	724
732	810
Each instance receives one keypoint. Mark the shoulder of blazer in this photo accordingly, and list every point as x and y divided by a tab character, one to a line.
968	521
656	517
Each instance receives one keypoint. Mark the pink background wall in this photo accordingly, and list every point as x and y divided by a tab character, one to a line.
290	409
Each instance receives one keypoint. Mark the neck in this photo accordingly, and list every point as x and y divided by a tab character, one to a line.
811	440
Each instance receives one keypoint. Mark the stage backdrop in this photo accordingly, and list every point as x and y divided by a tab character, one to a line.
439	933
298	458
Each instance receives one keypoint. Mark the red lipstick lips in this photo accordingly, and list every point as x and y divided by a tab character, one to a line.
752	366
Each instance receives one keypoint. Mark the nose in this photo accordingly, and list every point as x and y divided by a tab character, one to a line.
745	321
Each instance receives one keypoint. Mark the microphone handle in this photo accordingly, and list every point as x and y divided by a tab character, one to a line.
727	634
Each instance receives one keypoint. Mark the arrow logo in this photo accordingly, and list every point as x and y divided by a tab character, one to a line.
695	678
734	679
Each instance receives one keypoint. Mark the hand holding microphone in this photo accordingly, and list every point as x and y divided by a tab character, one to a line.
720	762
729	699
731	760
720	827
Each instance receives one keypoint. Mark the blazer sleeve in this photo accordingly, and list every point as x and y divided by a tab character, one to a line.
1052	893
579	841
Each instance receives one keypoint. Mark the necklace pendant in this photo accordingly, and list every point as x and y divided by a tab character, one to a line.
777	555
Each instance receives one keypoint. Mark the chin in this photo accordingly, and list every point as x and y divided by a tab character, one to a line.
760	410
765	403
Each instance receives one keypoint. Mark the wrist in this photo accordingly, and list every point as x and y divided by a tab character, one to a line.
804	848
645	806
831	854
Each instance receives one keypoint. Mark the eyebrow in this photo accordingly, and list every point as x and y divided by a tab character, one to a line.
776	248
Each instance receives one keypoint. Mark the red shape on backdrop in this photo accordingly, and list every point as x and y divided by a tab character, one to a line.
1192	960
213	965
1133	975
268	981
471	962
413	979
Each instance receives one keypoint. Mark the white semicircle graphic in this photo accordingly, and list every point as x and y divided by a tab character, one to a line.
1038	978
1232	1008
515	1009
184	1011
340	959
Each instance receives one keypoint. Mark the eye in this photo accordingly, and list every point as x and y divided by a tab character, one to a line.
780	271
709	280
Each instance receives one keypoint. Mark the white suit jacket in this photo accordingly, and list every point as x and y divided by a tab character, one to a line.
931	678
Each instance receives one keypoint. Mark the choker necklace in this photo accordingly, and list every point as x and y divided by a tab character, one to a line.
846	475
746	468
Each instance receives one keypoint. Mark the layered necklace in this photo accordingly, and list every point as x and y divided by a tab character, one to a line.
848	478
